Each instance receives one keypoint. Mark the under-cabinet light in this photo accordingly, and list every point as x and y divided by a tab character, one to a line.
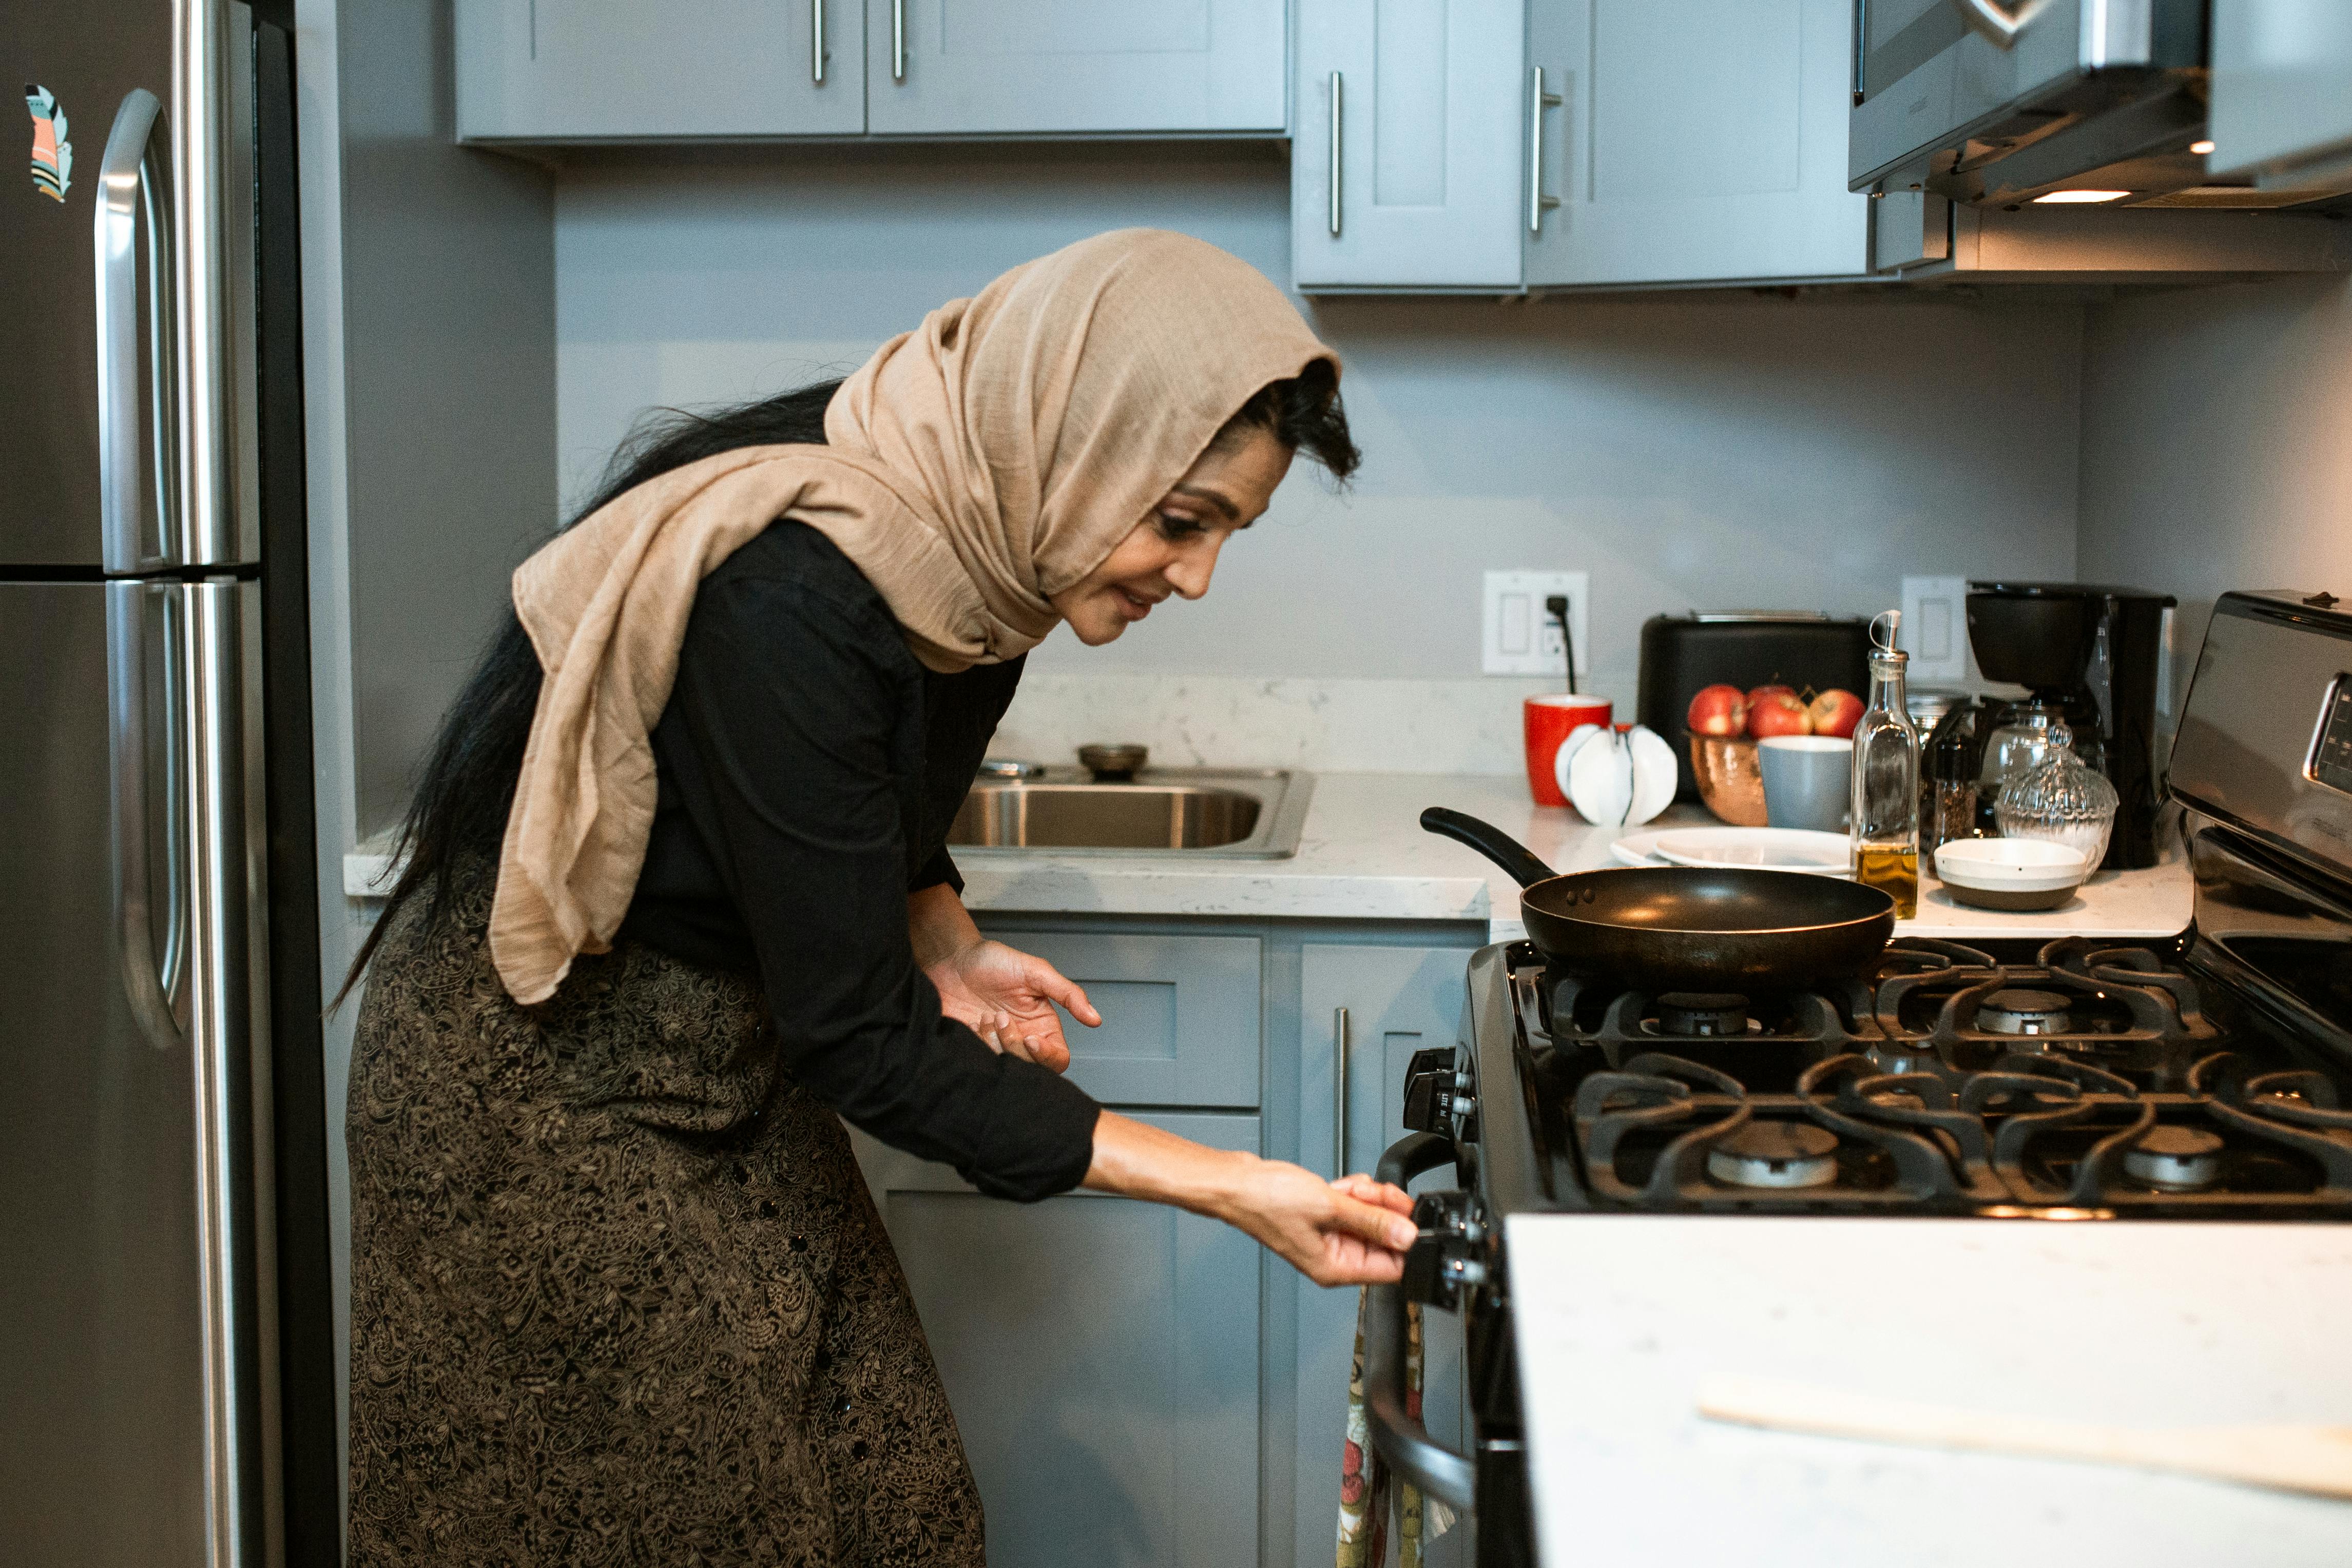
2200	148
2083	196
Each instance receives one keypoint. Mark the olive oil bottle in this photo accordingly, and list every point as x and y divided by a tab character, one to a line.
1885	823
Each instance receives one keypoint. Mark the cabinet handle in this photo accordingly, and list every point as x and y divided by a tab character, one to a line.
1340	1043
816	42
898	40
1335	154
1538	203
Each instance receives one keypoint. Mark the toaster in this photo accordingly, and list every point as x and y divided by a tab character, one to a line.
1682	654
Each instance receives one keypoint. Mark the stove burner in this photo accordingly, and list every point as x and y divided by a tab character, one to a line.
1774	1155
2019	1011
2176	1159
1702	1014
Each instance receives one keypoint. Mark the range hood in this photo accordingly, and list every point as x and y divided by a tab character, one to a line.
2002	103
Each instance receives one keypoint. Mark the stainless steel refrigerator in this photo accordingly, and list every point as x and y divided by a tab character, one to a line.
166	1391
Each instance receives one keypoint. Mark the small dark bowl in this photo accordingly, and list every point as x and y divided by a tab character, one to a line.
1113	764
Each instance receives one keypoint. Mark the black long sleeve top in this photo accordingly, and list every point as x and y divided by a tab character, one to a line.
809	769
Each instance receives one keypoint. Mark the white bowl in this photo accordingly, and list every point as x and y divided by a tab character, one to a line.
2011	865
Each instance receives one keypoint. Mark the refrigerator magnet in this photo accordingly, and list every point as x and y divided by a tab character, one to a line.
52	153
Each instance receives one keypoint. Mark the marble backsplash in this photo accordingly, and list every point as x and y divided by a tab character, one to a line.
1234	721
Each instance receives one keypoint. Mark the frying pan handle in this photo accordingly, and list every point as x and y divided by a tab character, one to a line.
1489	840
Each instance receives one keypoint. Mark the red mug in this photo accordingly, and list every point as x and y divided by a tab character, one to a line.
1548	720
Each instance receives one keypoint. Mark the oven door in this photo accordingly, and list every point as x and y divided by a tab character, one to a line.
1942	86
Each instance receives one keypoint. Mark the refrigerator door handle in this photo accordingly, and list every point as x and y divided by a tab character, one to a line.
148	981
134	184
221	1005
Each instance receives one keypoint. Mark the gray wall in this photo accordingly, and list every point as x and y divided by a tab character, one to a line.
1685	451
448	356
2217	443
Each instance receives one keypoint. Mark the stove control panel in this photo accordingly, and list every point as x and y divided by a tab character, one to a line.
2331	758
1437	1097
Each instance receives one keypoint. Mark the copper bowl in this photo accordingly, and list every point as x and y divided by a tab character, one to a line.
1728	779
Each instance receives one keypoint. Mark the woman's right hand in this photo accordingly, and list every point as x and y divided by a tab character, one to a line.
1352	1231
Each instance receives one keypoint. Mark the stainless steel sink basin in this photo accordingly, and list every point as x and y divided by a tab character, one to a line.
1237	813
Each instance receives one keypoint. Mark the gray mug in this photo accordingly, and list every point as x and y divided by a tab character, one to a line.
1808	781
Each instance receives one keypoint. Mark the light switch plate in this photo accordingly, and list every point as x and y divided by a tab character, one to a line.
1519	637
1936	630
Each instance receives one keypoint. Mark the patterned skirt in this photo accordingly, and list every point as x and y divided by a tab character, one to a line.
619	1294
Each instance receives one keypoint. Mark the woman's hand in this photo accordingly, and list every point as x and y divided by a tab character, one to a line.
1352	1232
1002	995
1007	998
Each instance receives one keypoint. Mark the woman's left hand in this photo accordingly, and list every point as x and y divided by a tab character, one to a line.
1007	998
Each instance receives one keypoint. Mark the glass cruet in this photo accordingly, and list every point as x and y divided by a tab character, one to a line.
1884	830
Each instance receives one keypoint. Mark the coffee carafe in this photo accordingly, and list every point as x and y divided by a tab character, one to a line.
2089	654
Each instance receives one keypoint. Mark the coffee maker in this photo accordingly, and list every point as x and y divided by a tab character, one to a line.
2088	654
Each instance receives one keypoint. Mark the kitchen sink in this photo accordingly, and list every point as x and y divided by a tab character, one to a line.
1187	812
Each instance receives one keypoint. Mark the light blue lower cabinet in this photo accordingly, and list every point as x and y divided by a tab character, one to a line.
1140	1386
1180	1014
1102	1357
1376	1005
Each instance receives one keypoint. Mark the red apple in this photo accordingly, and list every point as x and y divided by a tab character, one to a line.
1776	711
1719	710
1836	712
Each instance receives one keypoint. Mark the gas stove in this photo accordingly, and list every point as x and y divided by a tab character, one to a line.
2203	1079
2083	1077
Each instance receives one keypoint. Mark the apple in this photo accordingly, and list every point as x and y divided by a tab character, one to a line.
1776	711
1836	712
1719	710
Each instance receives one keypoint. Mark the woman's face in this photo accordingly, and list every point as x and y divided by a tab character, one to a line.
1174	551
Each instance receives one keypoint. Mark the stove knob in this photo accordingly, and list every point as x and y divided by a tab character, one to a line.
1429	1083
1442	1263
1463	1274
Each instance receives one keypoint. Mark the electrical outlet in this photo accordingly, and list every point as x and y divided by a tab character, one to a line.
1935	629
1520	637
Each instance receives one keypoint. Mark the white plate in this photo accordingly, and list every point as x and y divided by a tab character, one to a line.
1758	849
1640	849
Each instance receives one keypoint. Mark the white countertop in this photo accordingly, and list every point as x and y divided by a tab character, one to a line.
1623	1319
1364	856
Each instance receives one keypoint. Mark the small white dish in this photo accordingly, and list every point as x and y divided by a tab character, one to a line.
1758	849
2019	874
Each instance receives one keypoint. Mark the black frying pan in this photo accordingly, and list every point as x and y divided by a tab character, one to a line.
1684	928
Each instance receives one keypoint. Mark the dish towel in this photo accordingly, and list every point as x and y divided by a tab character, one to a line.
1364	1478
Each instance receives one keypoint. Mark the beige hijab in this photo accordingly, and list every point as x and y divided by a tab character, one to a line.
974	467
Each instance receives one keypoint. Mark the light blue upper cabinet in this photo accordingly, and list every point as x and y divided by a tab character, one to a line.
2282	90
1693	142
1013	68
587	70
1405	147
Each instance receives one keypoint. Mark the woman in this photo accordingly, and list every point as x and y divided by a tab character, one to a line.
676	898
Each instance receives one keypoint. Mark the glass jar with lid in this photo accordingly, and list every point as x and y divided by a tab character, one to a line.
2020	742
2060	798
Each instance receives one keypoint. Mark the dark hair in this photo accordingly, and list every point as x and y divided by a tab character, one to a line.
465	788
1304	414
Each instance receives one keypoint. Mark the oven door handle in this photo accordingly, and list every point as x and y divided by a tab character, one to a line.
1398	1437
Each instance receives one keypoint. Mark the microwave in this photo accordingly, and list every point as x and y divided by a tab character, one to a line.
2000	102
